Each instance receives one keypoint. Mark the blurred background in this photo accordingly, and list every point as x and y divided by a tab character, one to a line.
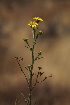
54	43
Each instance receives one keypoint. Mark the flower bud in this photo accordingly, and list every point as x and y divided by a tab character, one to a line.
25	39
29	67
40	32
39	52
31	49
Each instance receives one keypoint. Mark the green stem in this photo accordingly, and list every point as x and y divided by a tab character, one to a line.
30	95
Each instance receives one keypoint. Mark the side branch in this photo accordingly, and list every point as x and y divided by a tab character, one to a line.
22	69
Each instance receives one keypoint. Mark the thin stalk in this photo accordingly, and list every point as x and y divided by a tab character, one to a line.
30	95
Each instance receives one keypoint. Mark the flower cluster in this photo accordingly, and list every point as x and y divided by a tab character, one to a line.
35	23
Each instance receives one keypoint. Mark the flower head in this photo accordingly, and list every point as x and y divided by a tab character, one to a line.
33	24
38	19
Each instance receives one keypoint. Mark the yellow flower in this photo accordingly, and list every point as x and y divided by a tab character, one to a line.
38	18
33	24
